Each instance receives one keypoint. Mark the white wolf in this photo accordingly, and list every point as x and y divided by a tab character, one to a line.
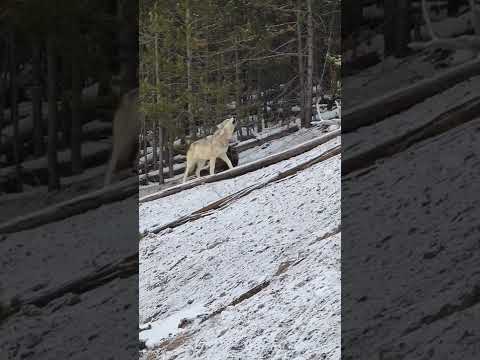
210	148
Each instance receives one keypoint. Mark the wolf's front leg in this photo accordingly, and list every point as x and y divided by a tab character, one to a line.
212	166
188	169
225	158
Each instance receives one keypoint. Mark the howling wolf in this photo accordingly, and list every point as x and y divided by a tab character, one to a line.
210	148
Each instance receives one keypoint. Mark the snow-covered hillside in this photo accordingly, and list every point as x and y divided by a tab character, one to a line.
259	279
83	322
408	270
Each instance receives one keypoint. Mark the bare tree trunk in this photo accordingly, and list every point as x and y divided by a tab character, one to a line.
475	16
402	28
76	128
426	18
389	27
309	82
3	87
157	100
157	122
2	106
265	110
161	179
139	152
170	155
53	179
301	63
453	7
17	142
237	88
38	147
333	80
154	140
165	146
351	19
188	32
145	162
258	101
128	34
220	95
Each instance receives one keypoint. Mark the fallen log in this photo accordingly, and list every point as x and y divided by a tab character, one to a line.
261	141
226	201
75	206
360	63
120	269
153	175
123	268
460	114
380	108
38	174
243	169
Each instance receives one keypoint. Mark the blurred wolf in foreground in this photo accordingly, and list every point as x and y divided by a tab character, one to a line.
210	148
126	126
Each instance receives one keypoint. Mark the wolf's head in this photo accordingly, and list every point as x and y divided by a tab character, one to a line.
226	128
227	122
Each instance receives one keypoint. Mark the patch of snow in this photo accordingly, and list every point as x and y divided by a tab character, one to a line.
161	329
328	115
96	125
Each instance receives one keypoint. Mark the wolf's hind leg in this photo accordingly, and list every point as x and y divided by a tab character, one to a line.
200	165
